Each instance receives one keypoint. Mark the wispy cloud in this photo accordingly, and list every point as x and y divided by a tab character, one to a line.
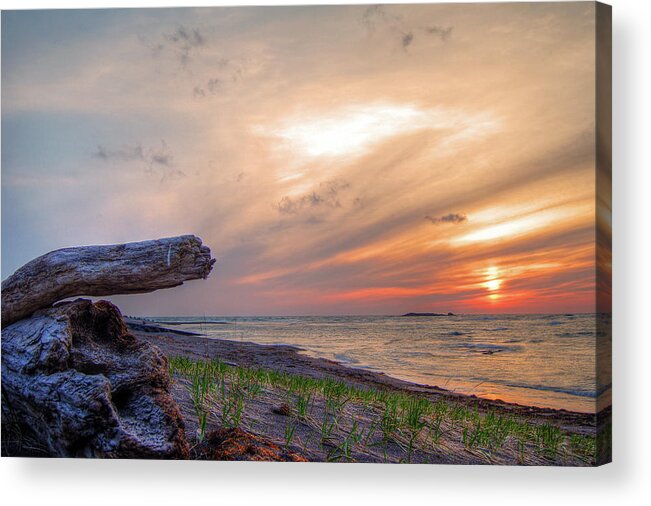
183	41
439	31
454	218
126	153
407	39
327	195
154	160
161	156
375	14
211	87
377	17
226	72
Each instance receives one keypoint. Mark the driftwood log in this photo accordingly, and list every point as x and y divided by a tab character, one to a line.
76	383
136	267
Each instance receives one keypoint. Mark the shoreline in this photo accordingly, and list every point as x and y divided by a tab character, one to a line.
290	359
518	386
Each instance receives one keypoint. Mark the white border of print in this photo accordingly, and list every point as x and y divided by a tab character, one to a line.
97	482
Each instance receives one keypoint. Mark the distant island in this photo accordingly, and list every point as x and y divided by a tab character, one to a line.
429	314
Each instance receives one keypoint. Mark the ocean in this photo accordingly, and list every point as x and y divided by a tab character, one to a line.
538	360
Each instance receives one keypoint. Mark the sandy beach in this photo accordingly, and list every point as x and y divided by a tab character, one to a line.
459	429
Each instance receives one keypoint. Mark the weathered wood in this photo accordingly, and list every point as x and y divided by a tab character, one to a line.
136	267
76	383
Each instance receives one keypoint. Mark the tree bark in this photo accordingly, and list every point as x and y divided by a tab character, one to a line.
137	267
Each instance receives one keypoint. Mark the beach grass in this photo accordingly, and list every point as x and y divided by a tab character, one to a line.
348	422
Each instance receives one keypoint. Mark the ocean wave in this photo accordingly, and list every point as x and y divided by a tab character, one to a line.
475	345
574	334
559	390
419	354
484	348
342	357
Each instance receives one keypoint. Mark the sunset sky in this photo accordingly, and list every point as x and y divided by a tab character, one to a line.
337	160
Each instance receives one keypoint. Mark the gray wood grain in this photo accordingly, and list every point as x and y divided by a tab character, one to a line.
136	267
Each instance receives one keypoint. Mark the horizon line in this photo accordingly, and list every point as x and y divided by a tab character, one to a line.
356	315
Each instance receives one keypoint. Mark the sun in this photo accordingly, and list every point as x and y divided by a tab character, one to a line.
493	282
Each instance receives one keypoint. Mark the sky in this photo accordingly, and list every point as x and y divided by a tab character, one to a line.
337	160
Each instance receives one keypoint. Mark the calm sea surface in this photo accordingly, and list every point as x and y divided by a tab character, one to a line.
541	360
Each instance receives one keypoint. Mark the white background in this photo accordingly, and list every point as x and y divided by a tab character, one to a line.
626	481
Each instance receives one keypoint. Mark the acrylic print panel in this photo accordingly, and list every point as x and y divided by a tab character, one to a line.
409	207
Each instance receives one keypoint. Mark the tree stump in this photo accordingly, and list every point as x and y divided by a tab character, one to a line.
76	383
